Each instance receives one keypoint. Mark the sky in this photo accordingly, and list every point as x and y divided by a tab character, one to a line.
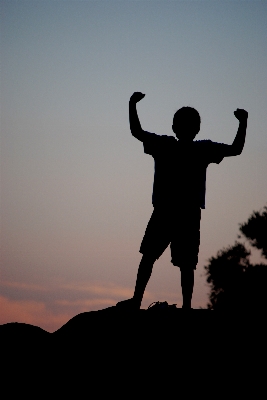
75	185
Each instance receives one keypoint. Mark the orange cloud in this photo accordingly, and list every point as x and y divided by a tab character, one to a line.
30	312
57	304
100	289
23	285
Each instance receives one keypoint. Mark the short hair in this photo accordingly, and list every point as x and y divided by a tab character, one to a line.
186	113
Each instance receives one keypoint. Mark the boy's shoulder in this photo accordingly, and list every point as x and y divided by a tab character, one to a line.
166	138
213	152
205	145
204	142
158	141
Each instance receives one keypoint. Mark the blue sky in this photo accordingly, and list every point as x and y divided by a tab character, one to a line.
75	185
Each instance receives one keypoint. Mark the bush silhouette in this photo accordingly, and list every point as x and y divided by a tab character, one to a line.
236	283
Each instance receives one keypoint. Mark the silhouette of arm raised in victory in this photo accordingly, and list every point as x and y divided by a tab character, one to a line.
237	146
135	125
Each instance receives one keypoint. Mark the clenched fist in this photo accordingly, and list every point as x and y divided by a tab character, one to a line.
241	115
136	96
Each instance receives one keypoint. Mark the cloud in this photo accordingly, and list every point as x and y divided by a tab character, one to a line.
30	312
100	289
51	306
55	292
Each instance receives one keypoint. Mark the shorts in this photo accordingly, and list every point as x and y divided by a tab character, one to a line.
178	227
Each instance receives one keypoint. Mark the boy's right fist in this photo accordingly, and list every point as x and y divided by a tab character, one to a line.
240	114
137	96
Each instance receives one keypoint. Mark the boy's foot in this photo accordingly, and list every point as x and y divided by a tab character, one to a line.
129	304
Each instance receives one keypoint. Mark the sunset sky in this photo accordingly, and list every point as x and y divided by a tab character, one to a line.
75	185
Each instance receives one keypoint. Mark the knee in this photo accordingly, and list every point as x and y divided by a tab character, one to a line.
187	268
187	272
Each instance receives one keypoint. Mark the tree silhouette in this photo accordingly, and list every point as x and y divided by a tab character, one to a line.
255	230
235	283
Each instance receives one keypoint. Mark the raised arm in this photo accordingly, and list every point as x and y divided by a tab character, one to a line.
135	125
237	146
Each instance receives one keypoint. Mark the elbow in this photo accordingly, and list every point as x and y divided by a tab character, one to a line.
239	150
138	134
236	151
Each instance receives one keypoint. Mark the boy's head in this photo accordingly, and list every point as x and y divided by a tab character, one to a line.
186	123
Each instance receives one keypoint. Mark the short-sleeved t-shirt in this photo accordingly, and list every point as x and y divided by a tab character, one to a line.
180	169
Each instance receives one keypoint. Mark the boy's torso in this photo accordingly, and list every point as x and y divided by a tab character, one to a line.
180	169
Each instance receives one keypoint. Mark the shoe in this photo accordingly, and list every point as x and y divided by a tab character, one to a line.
161	305
129	304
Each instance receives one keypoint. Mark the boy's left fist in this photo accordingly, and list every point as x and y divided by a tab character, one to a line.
241	115
136	97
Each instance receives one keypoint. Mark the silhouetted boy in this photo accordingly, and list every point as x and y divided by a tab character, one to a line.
178	193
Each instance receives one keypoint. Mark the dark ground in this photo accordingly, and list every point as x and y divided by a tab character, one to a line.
109	349
144	328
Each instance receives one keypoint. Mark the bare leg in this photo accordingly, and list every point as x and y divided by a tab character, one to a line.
143	275
187	283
